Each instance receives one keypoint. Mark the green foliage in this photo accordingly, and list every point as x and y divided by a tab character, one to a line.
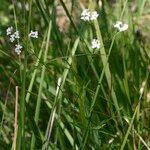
69	95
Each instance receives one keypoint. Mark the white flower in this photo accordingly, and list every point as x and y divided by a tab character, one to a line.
121	26
85	15
12	38
18	49
94	15
9	30
16	35
33	34
95	44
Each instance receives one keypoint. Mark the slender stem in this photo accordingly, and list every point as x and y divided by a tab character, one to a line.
38	105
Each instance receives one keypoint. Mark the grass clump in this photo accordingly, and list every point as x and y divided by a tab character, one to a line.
77	75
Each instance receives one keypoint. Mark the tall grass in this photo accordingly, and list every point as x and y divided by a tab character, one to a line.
59	93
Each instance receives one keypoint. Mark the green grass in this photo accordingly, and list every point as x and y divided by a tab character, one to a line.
62	94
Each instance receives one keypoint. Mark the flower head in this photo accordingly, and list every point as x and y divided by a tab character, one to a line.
12	38
18	49
16	35
94	15
9	30
33	34
121	26
95	44
87	15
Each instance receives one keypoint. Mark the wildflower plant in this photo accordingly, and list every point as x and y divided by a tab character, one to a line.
88	15
14	36
76	90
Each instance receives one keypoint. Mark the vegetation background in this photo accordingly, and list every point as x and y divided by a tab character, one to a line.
61	94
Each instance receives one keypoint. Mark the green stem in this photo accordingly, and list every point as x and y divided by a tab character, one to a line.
38	105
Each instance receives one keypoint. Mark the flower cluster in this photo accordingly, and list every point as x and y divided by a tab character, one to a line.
12	36
95	44
18	49
120	26
87	15
15	35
